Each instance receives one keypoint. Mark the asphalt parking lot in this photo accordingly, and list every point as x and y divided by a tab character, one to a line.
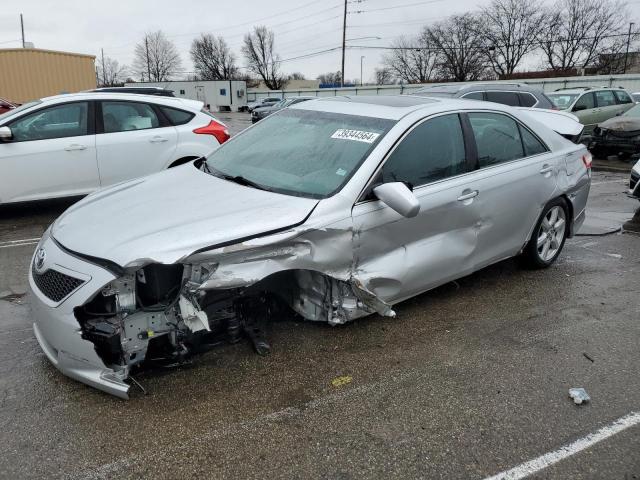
469	380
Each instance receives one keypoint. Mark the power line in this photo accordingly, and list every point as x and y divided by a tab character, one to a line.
397	6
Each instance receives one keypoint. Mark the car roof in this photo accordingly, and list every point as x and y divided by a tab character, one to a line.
476	86
578	90
392	107
175	101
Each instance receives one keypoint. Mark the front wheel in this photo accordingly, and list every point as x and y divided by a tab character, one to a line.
548	236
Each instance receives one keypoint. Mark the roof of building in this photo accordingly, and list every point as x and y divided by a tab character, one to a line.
42	50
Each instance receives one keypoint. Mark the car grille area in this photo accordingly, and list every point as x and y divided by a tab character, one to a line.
55	285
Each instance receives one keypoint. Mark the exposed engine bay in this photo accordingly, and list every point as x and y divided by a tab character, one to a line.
162	315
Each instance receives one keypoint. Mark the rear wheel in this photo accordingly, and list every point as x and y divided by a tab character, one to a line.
548	236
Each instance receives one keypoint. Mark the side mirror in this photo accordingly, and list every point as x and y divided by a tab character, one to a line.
5	134
397	196
577	108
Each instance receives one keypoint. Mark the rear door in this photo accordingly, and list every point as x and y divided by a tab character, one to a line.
625	102
515	177
133	139
505	98
52	154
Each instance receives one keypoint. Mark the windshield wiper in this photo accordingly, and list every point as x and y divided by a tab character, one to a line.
239	179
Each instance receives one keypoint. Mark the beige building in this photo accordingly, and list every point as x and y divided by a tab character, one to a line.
29	73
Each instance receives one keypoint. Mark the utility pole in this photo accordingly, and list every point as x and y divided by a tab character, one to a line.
361	58
626	55
104	82
22	29
146	46
344	42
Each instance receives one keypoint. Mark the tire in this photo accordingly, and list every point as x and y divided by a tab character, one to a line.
548	236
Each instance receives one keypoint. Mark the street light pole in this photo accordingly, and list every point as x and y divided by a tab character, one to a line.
344	42
361	58
626	55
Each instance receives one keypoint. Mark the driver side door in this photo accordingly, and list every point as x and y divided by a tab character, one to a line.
398	257
52	154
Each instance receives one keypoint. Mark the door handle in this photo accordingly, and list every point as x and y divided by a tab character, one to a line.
468	196
75	146
546	169
158	139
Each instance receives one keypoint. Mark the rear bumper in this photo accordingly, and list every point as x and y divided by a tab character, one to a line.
58	332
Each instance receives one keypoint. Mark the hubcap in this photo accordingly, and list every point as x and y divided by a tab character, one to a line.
551	233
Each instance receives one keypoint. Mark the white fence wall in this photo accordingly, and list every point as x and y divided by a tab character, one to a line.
631	82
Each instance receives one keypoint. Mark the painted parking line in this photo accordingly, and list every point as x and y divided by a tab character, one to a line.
19	243
548	459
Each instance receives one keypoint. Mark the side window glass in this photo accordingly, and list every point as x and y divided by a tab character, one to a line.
605	98
532	146
585	102
505	98
126	116
497	138
432	151
474	96
68	120
177	117
622	97
527	100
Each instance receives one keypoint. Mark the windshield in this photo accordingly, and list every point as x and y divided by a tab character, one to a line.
562	100
300	152
10	113
633	112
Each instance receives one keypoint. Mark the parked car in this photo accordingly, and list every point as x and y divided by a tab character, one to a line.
634	181
262	102
435	189
262	112
6	105
71	145
161	92
619	135
513	94
592	105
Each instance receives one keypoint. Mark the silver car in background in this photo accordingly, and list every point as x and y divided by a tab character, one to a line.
335	209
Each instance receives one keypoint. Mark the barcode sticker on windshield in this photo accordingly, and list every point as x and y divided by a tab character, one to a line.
357	135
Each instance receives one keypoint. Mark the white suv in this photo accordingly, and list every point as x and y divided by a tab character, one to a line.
73	144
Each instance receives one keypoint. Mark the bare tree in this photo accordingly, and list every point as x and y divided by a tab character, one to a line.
330	78
458	41
212	58
579	30
413	59
384	76
156	58
511	30
297	76
110	72
261	58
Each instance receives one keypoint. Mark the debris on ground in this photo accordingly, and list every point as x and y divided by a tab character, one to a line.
587	356
341	381
579	395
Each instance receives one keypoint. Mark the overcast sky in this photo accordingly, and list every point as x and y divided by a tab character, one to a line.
301	26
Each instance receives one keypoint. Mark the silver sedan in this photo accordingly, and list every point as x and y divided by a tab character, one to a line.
333	209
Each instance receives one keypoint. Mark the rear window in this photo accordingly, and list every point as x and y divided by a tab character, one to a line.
622	97
505	98
527	100
177	117
562	100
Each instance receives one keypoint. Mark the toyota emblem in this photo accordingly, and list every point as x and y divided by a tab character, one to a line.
41	255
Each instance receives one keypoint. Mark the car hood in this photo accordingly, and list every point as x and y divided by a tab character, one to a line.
621	124
172	214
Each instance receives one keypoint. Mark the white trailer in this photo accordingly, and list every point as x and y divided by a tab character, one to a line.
220	95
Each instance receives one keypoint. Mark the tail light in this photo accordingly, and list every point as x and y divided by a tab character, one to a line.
216	129
587	159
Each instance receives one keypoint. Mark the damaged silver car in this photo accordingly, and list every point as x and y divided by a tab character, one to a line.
334	209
